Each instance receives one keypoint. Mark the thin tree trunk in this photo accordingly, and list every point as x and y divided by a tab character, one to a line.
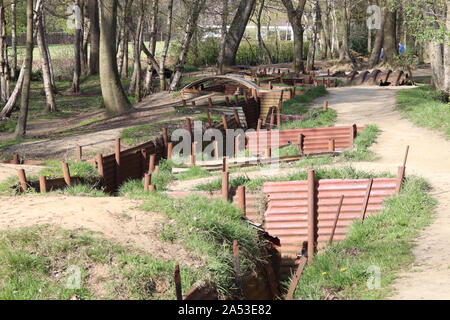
447	52
14	39
84	47
4	72
153	25
191	25
295	16
135	85
223	35
114	97
378	45
50	61
77	49
262	44
168	36
28	64
95	37
46	75
344	53
390	36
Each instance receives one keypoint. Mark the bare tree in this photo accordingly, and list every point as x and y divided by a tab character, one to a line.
14	39
168	35
4	68
77	48
94	36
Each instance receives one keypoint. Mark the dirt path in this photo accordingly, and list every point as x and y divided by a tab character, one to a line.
115	219
429	277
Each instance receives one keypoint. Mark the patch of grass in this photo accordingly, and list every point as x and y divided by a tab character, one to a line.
8	125
193	173
208	228
363	142
140	134
321	173
312	162
315	118
84	190
77	169
288	151
300	103
38	263
425	107
383	241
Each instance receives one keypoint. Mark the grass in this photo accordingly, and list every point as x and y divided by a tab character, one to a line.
315	118
383	241
37	263
77	169
193	173
300	103
321	173
425	107
363	142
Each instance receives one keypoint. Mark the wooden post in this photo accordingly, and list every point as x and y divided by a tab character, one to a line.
224	165
189	125
194	103
165	134
16	158
184	103
43	184
268	152
227	101
291	93
301	143
366	200
242	201
79	152
225	122
152	163
22	180
325	106
336	220
99	161
332	145
312	215
210	103
208	114
270	85
169	151
192	160
66	172
236	100
117	153
400	179
177	279
225	185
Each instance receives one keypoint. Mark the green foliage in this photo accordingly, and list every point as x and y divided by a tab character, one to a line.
383	240
315	118
77	169
35	264
426	108
208	228
300	103
8	125
193	173
84	190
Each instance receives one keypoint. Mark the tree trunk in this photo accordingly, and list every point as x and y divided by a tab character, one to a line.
295	16
77	49
168	36
223	36
114	97
46	75
344	52
378	45
236	32
95	37
436	52
50	62
28	64
4	72
390	43
135	85
191	25
14	39
262	44
153	25
447	52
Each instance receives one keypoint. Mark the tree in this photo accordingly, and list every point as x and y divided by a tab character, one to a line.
114	97
236	32
77	48
168	34
94	37
4	68
223	36
28	64
295	15
14	39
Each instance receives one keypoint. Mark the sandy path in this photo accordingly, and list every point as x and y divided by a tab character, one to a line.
116	219
429	277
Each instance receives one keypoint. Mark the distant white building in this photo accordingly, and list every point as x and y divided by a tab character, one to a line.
282	32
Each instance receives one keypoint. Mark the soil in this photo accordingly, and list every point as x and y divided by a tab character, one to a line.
115	219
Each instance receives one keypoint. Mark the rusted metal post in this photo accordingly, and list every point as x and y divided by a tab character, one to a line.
225	185
78	152
268	152
312	215
272	120
296	280
270	85
325	105
400	179
225	122
279	123
16	158
242	201
22	179
405	160
177	279
224	164
43	184
236	100
189	125
210	103
99	161
156	171
332	145
147	181
301	143
336	220
184	103
237	267
192	160
165	134
66	172
152	163
117	148
208	114
227	101
194	103
169	150
236	118
366	200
